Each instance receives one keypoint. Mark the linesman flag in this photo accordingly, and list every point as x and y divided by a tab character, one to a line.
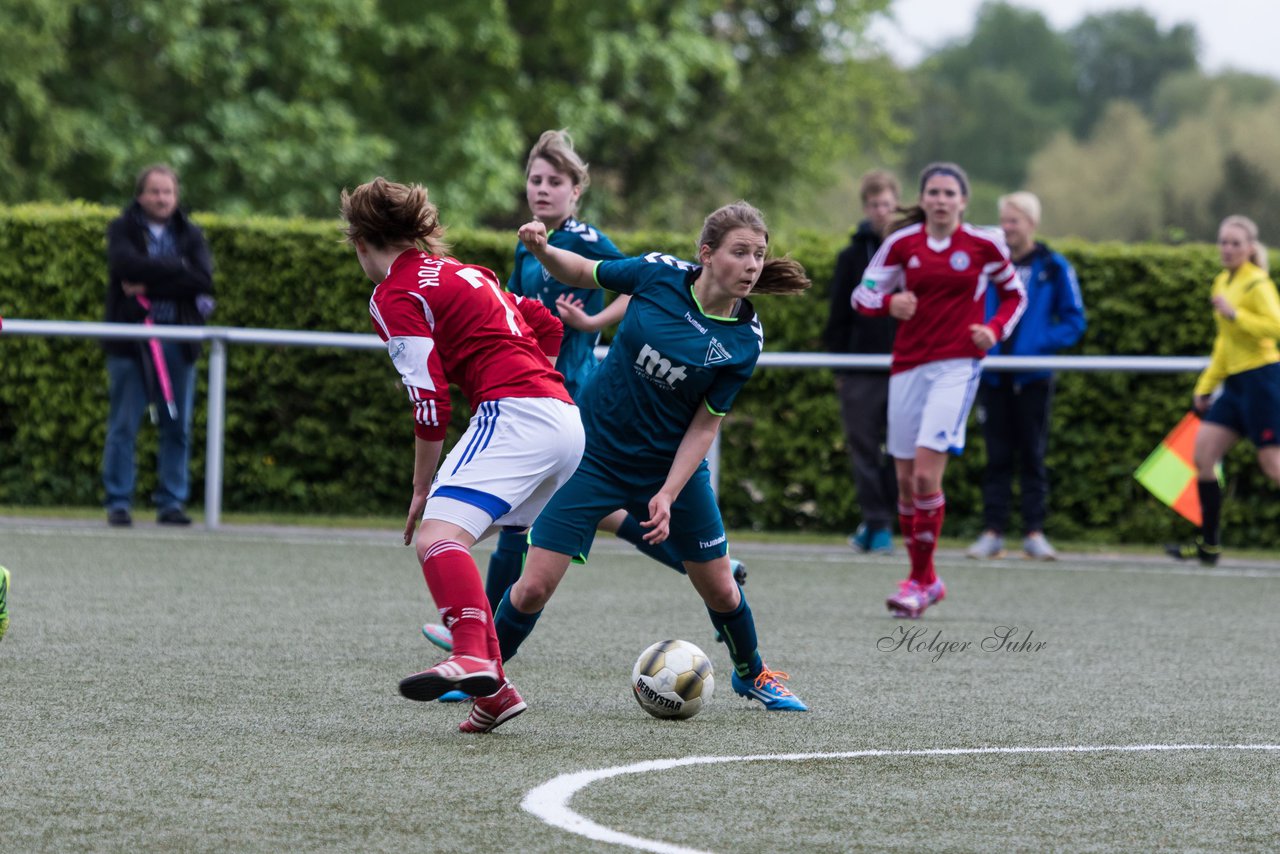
1170	473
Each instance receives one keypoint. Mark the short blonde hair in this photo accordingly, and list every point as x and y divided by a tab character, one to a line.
1024	202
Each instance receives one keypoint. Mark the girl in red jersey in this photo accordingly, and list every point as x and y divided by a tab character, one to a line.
931	274
445	321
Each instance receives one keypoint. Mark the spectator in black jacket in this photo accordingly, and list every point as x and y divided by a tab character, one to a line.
864	394
159	270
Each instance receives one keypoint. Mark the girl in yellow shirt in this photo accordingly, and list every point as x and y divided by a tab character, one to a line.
1246	365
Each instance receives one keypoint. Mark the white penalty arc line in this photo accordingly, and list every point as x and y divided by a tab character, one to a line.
550	801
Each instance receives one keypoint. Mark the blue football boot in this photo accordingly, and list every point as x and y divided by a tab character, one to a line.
767	687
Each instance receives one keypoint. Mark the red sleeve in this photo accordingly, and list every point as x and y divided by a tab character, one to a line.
547	328
401	319
880	280
1012	295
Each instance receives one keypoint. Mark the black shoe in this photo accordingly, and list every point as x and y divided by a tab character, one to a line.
1206	554
739	571
118	517
172	516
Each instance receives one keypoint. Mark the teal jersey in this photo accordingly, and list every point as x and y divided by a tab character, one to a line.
666	361
577	360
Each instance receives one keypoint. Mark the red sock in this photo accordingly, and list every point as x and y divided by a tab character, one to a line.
930	509
907	524
455	585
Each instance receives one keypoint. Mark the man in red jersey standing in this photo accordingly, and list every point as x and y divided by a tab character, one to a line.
445	321
932	274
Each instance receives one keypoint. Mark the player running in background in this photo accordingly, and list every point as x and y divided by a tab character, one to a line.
445	321
688	343
555	178
932	274
1246	365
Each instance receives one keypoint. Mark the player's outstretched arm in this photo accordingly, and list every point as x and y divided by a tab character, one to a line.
568	268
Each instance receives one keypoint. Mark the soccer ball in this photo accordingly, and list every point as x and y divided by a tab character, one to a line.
673	679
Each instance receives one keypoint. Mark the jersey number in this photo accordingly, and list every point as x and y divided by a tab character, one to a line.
479	280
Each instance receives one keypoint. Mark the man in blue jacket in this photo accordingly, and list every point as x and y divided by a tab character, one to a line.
1014	407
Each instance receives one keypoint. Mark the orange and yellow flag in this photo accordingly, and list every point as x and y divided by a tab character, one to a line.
1170	473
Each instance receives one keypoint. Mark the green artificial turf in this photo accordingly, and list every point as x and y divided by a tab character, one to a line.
179	690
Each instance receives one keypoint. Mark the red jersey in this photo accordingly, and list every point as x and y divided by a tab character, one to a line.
949	278
445	321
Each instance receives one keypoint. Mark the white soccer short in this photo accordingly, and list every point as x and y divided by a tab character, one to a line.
516	453
929	405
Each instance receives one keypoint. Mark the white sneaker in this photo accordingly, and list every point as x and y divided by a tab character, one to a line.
987	546
1036	547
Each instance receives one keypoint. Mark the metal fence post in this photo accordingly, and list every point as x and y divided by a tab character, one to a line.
215	428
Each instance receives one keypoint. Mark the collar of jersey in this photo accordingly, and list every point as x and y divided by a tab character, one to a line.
694	296
569	222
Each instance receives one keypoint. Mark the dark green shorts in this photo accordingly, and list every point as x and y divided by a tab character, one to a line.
568	523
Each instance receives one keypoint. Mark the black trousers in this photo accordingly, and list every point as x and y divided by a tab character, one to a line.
1015	425
864	410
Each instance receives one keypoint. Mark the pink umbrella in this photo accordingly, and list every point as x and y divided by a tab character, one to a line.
161	367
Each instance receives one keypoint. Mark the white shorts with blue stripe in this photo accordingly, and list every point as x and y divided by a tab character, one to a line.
929	406
515	454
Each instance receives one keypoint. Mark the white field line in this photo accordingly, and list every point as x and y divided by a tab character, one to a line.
550	801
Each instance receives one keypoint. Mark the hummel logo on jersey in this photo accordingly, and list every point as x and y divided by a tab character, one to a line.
651	362
586	232
716	353
695	324
669	260
913	263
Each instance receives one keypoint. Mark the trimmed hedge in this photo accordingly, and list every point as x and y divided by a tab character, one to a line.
328	431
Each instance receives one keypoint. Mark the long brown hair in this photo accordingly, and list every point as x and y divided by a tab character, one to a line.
383	213
915	213
784	276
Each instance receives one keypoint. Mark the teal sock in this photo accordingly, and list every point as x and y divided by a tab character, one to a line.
512	626
663	553
505	565
738	629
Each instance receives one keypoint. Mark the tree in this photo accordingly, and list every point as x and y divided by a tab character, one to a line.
35	129
1124	55
1106	188
272	107
990	102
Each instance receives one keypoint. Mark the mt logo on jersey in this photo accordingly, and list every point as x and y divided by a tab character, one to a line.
657	367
